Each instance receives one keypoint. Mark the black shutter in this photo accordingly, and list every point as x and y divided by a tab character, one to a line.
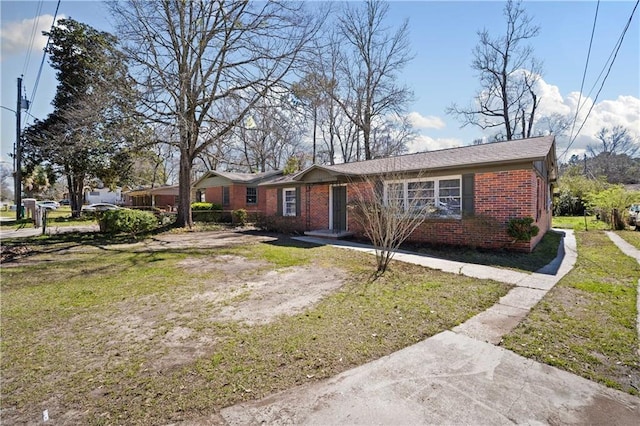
279	198
298	203
468	188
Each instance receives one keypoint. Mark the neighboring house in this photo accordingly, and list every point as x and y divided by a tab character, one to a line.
483	187
103	195
234	191
162	197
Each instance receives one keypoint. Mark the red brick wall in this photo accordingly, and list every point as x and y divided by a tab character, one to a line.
237	198
165	201
499	197
213	195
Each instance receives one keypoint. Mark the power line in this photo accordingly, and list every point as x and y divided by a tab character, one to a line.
615	54
32	38
44	55
584	74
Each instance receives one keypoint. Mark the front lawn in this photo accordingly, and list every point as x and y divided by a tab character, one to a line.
55	218
587	323
168	329
579	223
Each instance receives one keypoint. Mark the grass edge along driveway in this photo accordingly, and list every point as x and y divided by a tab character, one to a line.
586	324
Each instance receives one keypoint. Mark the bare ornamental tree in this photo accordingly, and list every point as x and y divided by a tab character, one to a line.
388	208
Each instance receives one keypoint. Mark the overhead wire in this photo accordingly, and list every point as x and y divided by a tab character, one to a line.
44	55
32	37
584	73
615	51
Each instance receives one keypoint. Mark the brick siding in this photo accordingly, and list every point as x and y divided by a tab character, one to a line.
498	197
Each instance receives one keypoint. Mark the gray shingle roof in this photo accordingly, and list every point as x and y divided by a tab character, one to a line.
491	153
248	177
243	177
515	151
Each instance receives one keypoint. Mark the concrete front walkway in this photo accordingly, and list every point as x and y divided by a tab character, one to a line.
455	377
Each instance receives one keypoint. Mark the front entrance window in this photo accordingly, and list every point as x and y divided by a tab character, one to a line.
289	202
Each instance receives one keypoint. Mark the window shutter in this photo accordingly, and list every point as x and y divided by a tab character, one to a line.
468	187
279	201
298	204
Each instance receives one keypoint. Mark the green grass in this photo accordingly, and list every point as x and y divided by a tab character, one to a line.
579	223
83	325
632	237
542	255
59	217
587	323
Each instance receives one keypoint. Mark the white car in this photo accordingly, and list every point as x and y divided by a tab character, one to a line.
99	207
49	205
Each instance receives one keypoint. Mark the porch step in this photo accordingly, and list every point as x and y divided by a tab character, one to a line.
328	233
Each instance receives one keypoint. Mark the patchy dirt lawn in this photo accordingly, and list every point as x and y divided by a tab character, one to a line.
165	330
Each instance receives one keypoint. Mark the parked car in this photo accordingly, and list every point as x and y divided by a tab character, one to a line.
48	204
65	202
99	207
633	214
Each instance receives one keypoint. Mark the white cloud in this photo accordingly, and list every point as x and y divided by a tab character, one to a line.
624	111
17	37
426	143
419	121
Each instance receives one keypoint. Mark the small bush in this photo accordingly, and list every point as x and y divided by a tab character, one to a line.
522	229
205	206
240	217
128	221
290	225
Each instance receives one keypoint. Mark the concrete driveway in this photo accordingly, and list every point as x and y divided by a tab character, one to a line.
456	377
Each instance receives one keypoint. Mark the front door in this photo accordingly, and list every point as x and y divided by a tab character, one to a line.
339	208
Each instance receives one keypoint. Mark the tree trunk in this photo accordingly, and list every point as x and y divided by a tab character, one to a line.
184	192
75	184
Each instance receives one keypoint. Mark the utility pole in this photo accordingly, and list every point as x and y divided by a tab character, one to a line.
17	177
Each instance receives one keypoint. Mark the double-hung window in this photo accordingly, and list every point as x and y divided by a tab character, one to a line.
289	202
437	197
225	195
252	195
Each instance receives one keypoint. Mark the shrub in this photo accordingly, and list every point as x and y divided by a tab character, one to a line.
240	216
129	221
205	206
289	225
522	229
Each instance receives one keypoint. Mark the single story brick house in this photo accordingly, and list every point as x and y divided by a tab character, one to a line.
483	186
234	191
162	197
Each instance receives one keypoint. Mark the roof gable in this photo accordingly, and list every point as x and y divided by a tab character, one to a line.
214	178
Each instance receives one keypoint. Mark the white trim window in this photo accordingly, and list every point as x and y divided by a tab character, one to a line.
437	197
252	195
289	202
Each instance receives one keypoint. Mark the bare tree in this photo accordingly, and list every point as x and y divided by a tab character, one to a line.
391	136
193	57
508	72
371	59
554	124
6	193
617	140
388	213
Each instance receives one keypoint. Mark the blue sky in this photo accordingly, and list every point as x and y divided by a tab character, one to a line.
443	35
